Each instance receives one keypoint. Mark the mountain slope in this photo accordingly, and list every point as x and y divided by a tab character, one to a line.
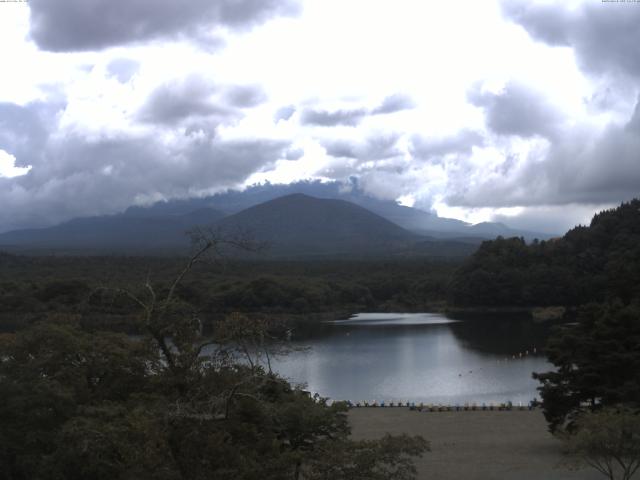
114	232
409	218
295	225
298	224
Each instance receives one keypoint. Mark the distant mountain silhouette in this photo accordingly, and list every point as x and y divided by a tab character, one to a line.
298	224
115	232
412	219
295	224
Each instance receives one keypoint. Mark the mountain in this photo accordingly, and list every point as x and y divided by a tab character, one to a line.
234	201
298	224
114	232
294	225
409	218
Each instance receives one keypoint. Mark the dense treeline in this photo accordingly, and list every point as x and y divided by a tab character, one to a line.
35	288
588	264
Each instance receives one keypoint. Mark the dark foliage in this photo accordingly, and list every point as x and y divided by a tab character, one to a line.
608	441
588	264
597	364
35	288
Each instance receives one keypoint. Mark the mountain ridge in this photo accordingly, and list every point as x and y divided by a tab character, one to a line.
409	218
295	225
113	231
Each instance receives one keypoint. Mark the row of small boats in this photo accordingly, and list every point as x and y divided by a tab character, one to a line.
430	407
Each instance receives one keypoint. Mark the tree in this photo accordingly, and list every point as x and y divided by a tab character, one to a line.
389	457
597	364
53	374
609	441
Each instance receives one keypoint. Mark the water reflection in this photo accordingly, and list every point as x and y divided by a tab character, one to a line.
421	358
500	335
394	319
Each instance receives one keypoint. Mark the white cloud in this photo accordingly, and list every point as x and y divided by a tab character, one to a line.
8	167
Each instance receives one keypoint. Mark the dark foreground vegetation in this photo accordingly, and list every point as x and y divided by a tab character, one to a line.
80	404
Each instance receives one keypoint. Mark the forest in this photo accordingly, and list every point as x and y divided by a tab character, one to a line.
594	263
33	288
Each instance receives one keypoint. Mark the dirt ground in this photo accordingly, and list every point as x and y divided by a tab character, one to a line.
475	445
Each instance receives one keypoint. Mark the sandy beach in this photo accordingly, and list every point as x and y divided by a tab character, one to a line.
470	445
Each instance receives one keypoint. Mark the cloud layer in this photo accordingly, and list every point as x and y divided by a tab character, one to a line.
539	115
604	35
517	110
581	165
76	25
77	173
578	164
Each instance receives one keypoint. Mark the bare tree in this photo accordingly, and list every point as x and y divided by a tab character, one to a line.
609	441
172	325
255	338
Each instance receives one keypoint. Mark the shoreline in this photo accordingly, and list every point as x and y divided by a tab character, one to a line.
440	407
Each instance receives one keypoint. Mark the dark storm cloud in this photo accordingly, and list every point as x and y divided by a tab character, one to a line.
376	147
324	118
77	175
426	148
175	101
634	123
284	113
517	110
352	117
583	166
75	25
122	69
24	130
548	23
394	103
340	148
604	35
245	96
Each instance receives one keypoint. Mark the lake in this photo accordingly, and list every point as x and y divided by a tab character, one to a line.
421	357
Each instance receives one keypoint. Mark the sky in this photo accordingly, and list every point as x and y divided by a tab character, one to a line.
526	113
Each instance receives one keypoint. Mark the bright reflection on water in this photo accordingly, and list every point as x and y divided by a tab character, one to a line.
419	357
394	319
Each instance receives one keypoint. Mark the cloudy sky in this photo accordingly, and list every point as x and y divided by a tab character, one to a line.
522	112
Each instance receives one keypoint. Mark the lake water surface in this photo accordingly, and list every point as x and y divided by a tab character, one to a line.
420	357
